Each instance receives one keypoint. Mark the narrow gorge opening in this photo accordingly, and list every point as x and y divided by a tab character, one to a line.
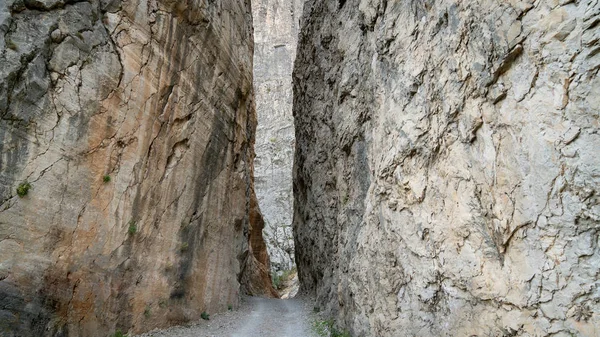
276	24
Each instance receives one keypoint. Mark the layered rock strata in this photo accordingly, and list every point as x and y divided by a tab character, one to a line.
276	25
126	148
447	177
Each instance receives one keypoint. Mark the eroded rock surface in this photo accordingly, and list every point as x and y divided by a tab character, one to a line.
276	25
447	176
133	123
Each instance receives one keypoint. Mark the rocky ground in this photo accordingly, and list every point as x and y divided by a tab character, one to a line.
256	317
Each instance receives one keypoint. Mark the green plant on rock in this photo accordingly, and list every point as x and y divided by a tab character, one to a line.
327	328
229	307
184	247
132	228
337	333
147	312
321	328
106	178
23	189
118	333
205	316
276	279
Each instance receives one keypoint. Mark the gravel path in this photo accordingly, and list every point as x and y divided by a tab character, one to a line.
257	317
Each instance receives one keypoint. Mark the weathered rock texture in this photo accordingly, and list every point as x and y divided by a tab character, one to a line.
447	176
276	25
157	95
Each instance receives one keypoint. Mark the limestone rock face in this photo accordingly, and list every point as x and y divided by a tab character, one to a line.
447	177
132	122
276	25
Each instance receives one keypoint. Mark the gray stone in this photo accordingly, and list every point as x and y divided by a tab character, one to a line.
276	25
64	56
446	166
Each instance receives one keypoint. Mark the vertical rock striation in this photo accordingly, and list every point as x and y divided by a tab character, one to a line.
133	123
276	25
447	177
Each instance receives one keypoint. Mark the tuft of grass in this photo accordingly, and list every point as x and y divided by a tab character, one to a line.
229	307
328	329
147	312
276	279
132	228
321	328
184	247
337	333
118	333
23	189
162	303
106	178
205	316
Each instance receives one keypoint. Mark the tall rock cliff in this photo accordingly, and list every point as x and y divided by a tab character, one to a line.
447	177
276	25
126	190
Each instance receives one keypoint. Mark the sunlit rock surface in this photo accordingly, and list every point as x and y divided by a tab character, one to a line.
276	25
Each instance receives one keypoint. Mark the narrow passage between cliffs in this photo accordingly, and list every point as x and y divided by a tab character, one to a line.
276	27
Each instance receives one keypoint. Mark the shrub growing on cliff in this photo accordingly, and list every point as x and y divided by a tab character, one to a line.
119	334
23	189
205	316
132	228
327	328
276	280
106	178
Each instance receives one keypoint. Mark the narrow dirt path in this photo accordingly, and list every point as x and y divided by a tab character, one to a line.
256	317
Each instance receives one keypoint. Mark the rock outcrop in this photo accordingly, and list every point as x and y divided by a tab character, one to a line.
447	177
126	139
276	25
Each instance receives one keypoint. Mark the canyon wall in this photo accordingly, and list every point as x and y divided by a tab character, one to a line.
126	149
276	24
447	177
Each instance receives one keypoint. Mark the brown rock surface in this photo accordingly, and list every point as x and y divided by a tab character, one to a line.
155	96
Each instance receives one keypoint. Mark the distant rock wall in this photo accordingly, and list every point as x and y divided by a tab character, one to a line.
276	25
133	124
447	176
